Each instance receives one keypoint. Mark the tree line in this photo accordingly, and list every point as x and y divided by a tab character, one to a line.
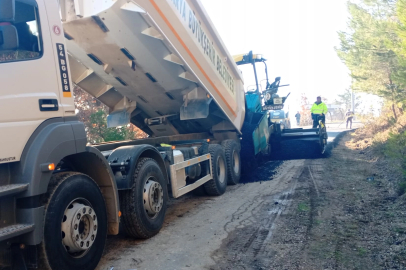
373	47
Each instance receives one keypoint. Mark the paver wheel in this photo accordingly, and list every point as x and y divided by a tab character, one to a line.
143	207
75	223
217	186
323	138
233	161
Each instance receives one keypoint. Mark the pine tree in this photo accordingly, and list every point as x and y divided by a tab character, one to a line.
371	49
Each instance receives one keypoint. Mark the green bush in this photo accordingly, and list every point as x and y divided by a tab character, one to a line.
402	188
98	129
395	149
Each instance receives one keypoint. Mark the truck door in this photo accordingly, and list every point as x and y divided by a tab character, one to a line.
29	92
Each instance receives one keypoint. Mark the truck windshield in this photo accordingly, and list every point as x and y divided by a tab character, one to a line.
20	35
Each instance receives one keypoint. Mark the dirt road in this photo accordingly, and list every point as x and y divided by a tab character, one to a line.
196	227
295	214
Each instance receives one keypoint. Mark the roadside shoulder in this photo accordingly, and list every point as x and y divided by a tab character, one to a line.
344	216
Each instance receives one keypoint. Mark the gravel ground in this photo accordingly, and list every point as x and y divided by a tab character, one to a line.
328	213
196	226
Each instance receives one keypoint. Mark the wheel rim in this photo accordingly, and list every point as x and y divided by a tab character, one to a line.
153	197
79	227
221	174
236	162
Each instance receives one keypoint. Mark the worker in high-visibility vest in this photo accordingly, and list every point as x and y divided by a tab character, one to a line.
318	110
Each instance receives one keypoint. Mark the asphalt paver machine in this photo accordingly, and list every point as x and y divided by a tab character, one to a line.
258	123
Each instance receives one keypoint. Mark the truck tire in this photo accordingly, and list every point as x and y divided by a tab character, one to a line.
217	186
199	191
233	161
74	204
143	207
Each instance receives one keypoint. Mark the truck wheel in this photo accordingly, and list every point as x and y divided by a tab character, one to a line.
75	225
233	161
144	205
217	186
199	191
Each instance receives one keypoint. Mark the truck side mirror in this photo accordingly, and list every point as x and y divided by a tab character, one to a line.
8	38
7	10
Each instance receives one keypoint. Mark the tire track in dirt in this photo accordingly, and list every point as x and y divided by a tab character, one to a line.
316	176
312	175
246	246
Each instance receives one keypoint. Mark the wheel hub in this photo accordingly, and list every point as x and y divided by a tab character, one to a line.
79	227
236	162
153	198
221	170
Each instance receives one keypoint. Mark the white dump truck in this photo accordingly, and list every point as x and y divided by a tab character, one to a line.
159	64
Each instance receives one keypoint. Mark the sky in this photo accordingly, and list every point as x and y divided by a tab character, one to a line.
297	38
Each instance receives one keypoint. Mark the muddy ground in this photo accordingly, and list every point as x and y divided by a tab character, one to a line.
340	212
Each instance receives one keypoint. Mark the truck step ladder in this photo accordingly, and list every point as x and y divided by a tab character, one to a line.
15	230
12	189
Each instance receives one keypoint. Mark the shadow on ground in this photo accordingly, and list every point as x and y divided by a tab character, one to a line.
298	149
267	168
289	150
264	172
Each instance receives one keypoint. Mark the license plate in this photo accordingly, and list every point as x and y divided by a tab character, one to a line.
272	107
277	101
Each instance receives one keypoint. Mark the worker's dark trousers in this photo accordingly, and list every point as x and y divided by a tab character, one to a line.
298	121
350	121
316	119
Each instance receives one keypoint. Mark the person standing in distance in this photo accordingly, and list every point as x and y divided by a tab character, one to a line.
349	115
319	109
297	115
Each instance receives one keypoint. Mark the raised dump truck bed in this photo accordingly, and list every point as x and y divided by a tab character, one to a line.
157	63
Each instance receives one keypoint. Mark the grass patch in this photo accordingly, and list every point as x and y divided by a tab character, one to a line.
395	149
303	207
400	230
402	188
317	222
353	226
338	255
362	251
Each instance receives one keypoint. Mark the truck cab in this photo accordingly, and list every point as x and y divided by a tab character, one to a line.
31	72
39	130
